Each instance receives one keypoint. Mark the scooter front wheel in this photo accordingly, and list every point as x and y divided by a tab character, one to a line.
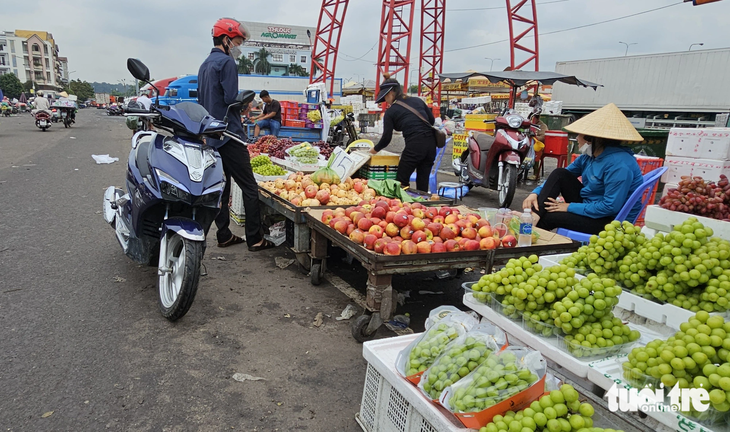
178	278
508	186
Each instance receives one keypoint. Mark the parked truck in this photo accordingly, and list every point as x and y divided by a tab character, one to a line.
681	89
102	98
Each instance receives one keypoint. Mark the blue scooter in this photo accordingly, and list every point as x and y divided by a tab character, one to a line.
174	187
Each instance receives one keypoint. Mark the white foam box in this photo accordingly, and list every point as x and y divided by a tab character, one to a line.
677	167
667	187
715	144
684	142
710	169
390	403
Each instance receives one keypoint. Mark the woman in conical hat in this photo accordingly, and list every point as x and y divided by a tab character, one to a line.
610	174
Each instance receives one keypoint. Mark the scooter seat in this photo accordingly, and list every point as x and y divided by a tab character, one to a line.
142	156
484	140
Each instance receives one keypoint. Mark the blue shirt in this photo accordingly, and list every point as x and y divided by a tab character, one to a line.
218	88
608	182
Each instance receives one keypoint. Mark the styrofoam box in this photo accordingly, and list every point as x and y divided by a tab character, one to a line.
677	167
606	372
664	220
548	347
710	169
668	187
715	144
392	404
684	142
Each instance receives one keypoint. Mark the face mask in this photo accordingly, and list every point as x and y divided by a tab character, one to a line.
234	51
587	149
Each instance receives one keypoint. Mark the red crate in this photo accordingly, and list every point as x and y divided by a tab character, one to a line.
556	142
294	123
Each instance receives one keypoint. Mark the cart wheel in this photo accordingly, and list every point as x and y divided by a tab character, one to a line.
316	273
359	329
304	263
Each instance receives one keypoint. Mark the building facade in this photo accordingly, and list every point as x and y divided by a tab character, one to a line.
33	55
288	48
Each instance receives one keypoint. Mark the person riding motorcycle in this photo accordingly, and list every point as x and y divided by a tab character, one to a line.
41	104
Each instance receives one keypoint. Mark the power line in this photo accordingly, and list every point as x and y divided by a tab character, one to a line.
569	29
500	7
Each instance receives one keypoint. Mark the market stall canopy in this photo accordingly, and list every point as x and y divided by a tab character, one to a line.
520	78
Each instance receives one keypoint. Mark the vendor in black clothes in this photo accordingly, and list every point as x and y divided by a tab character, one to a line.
420	150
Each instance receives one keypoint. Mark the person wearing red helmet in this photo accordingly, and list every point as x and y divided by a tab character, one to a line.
217	89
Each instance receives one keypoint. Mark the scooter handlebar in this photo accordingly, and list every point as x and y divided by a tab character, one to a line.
234	137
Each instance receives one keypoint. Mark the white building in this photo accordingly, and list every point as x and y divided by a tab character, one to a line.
33	55
289	47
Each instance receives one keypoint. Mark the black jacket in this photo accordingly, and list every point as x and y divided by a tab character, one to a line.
218	88
402	119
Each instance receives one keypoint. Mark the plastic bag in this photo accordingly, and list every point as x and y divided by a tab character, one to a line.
326	174
420	354
459	359
304	153
442	312
500	377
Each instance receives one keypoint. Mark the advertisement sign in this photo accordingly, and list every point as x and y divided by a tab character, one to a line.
264	34
459	141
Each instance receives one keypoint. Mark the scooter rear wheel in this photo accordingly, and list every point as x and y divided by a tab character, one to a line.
177	288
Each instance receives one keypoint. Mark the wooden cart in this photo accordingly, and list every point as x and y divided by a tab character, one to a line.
380	299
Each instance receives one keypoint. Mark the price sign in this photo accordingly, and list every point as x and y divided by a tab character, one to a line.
459	143
345	164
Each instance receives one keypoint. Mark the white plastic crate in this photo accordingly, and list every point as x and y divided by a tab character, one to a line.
392	404
237	200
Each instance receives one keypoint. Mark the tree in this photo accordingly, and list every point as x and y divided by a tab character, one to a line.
82	89
261	62
11	86
245	65
297	70
413	89
28	85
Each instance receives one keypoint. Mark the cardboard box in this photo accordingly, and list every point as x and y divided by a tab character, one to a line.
710	169
677	167
684	142
715	144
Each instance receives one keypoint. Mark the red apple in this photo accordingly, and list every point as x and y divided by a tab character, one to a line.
419	213
356	216
327	216
418	224
455	228
409	248
406	232
451	218
438	247
462	223
485	231
395	203
488	243
392	248
376	230
429	234
311	191
438	240
445	211
383	224
509	241
364	224
379	212
469	233
462	242
472	245
351	228
323	196
418	236
447	233
379	245
341	226
423	247
452	246
438	219
389	216
398	239
376	221
400	219
430	212
435	228
369	241
383	202
349	210
357	236
482	222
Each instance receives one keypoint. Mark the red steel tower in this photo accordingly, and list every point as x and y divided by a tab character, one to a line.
523	43
394	48
327	42
433	17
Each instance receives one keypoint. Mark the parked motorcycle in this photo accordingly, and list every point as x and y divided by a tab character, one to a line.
497	161
343	132
42	120
174	187
5	110
114	110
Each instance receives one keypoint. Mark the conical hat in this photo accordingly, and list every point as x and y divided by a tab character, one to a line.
607	122
63	94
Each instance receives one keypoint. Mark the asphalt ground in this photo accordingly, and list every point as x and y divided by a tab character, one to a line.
83	346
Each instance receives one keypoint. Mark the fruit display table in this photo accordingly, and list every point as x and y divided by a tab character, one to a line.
380	297
661	219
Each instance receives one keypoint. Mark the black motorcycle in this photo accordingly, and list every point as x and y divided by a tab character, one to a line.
344	132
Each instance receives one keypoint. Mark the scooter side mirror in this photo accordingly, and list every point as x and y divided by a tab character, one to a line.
243	98
138	69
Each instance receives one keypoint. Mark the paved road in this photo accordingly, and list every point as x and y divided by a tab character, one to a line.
81	336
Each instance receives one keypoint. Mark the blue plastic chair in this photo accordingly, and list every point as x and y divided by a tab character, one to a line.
641	193
433	177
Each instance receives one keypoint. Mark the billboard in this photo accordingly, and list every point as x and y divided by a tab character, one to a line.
267	34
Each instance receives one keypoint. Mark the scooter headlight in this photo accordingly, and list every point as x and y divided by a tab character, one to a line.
172	189
514	121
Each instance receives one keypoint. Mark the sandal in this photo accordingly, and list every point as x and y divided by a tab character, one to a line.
264	245
234	240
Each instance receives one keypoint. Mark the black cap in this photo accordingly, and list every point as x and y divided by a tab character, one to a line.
385	88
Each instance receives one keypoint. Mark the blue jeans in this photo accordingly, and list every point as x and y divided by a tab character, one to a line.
272	125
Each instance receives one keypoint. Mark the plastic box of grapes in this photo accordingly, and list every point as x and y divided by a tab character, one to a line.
480	296
635	377
579	351
539	327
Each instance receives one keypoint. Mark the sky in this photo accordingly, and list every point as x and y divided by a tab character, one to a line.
173	37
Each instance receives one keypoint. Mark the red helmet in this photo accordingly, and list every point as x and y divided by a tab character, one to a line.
230	28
